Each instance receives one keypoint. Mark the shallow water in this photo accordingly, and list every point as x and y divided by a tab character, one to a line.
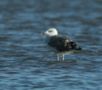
26	63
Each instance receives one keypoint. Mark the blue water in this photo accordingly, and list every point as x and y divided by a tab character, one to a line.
26	63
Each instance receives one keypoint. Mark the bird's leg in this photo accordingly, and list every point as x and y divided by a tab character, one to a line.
58	58
63	57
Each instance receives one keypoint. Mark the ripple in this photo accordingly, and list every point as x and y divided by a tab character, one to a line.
25	60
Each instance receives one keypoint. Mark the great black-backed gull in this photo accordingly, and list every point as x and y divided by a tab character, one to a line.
60	43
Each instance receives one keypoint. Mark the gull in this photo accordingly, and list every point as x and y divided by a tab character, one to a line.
61	44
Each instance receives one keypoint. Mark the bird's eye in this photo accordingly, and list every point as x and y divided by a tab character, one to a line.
50	31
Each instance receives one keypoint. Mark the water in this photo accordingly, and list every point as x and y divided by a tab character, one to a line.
26	63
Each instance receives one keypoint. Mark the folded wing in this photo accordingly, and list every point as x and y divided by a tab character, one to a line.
63	44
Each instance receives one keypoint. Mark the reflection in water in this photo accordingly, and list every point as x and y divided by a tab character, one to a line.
25	60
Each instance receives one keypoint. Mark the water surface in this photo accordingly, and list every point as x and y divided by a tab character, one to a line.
26	63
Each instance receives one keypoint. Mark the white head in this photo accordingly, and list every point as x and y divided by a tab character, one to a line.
51	32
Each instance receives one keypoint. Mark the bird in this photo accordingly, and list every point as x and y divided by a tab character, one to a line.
60	43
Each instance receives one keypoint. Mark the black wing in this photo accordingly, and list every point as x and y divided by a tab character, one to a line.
63	44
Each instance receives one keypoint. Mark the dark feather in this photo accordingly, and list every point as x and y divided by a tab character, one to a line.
62	44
